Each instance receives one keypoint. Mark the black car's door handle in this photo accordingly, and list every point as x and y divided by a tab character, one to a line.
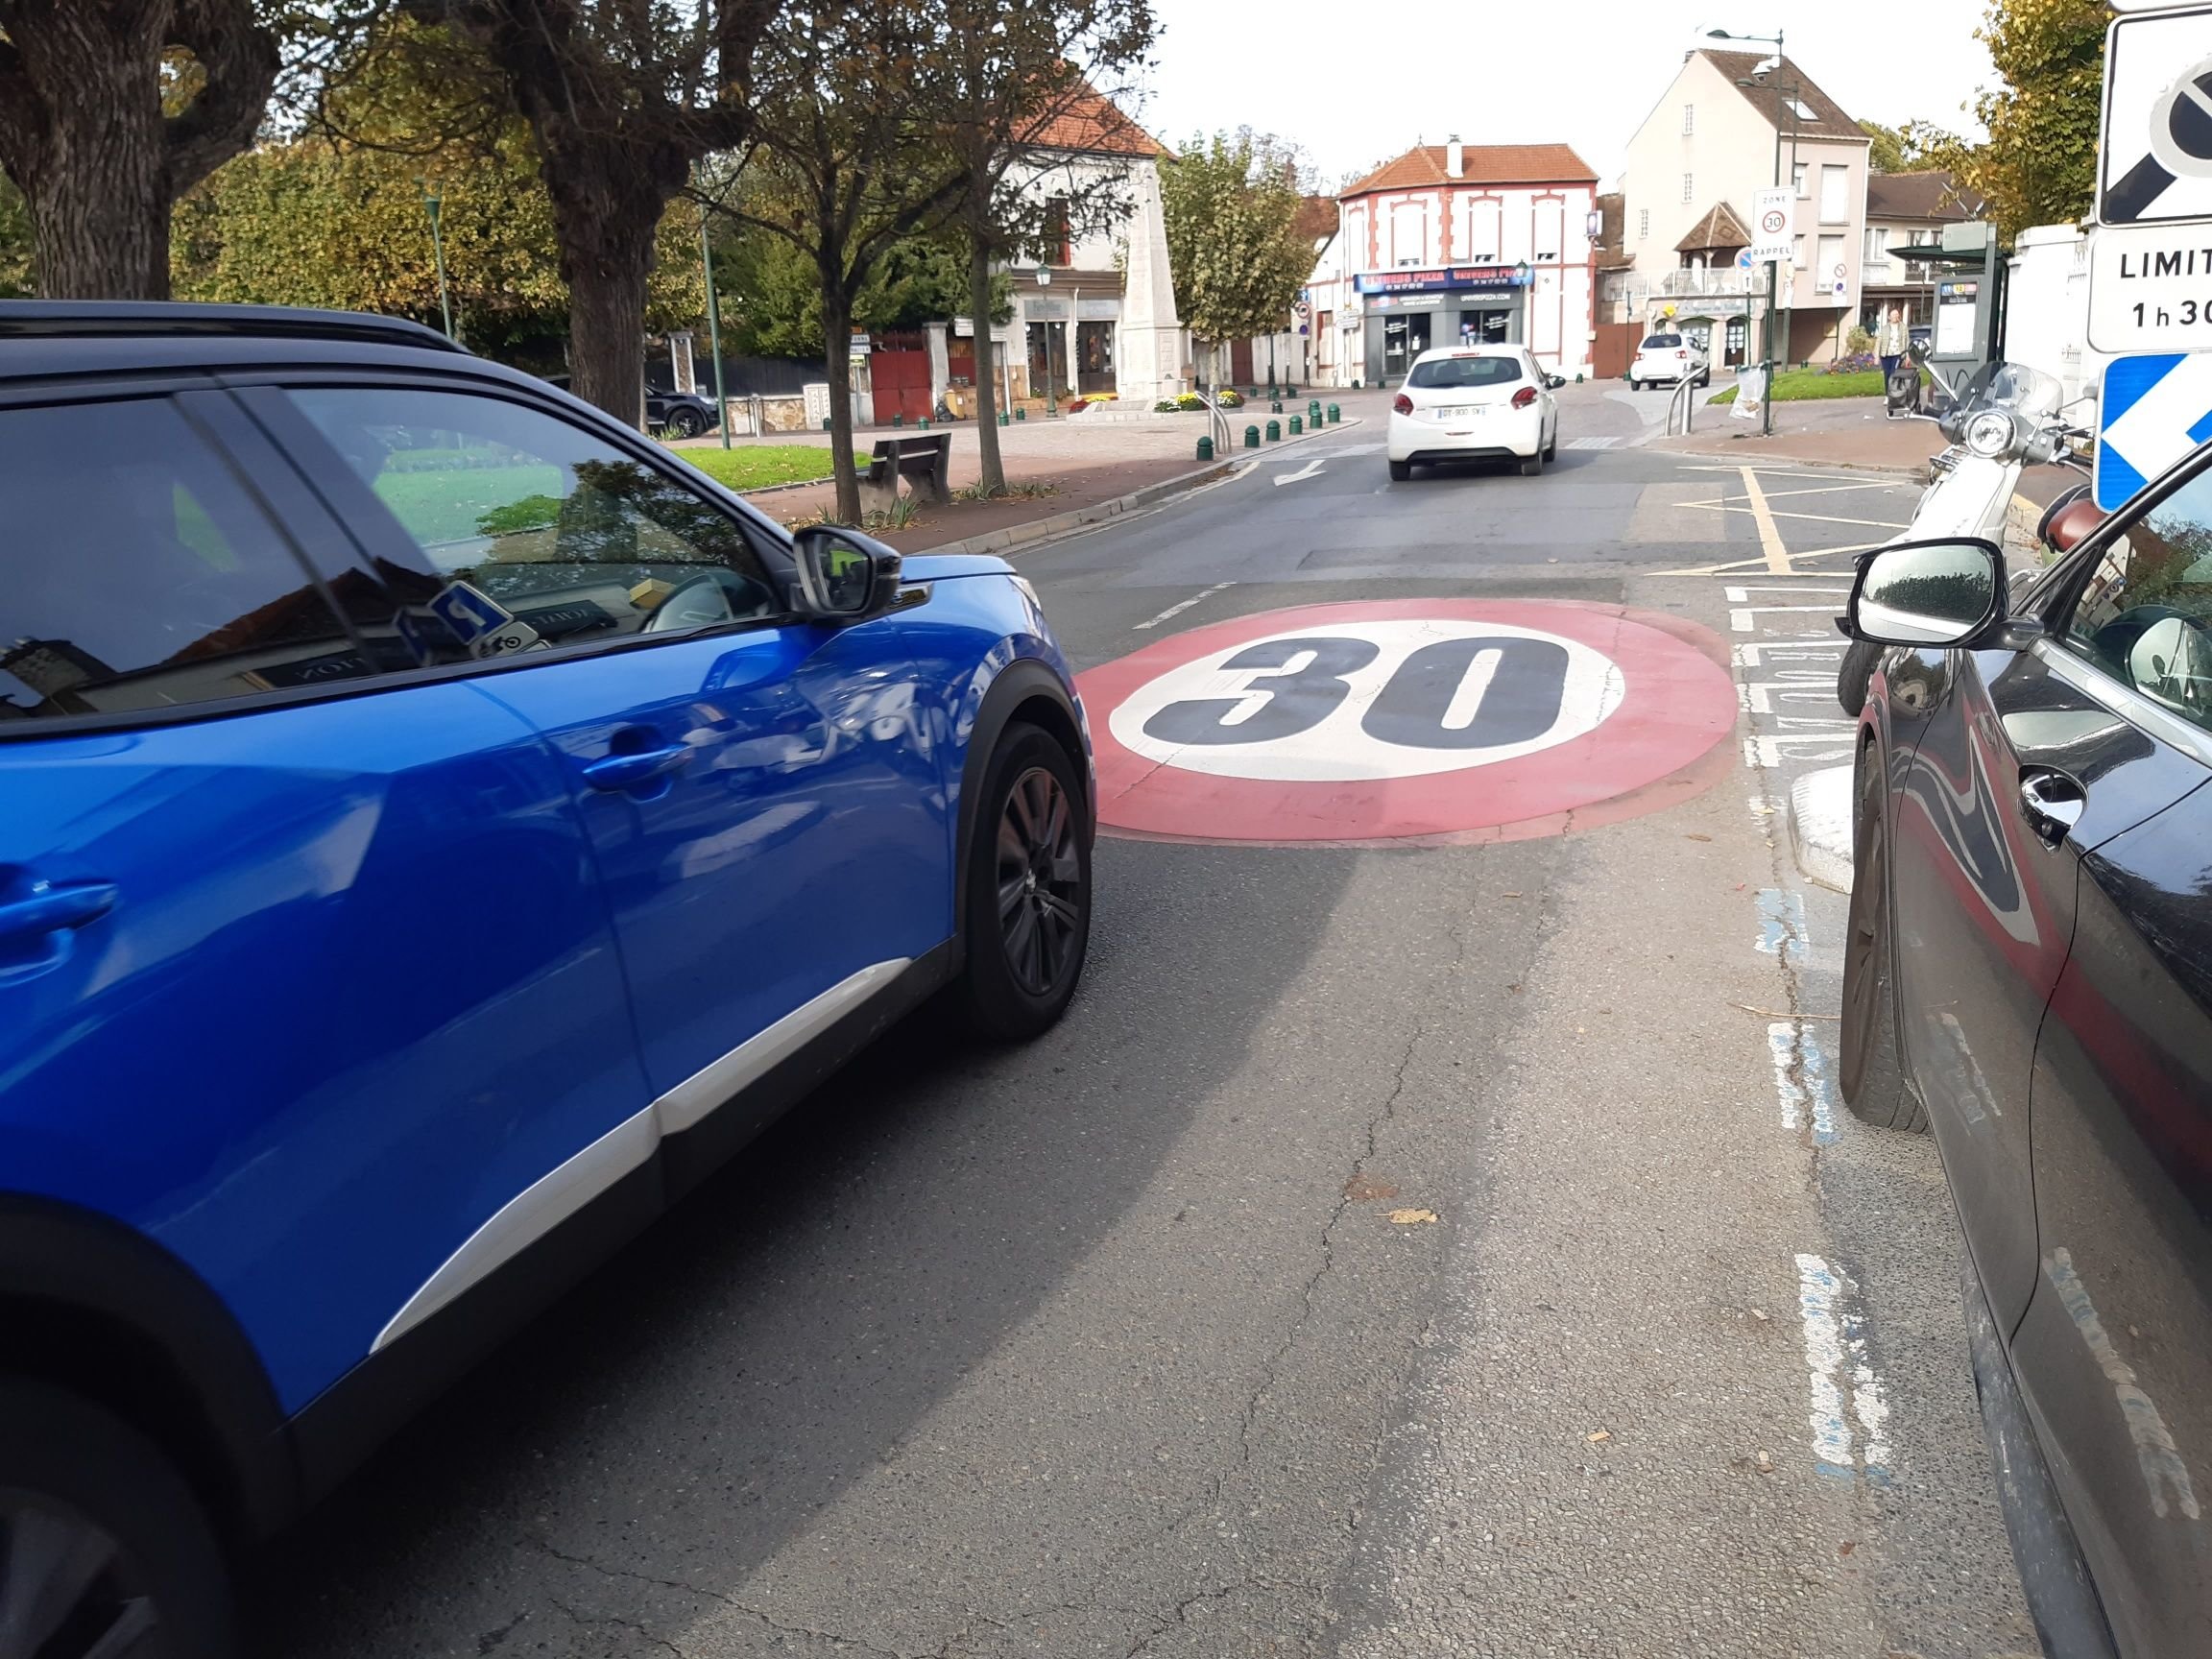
2052	801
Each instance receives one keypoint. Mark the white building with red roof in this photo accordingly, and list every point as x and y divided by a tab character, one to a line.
1460	242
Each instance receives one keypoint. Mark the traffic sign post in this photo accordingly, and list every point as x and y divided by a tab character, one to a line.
2154	410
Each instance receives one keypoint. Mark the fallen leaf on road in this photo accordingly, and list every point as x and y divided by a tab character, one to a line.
1363	1187
1778	1014
1846	1547
1696	837
1411	1218
1601	1435
1508	895
1766	1464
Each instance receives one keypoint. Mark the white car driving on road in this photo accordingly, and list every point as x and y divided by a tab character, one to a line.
1475	403
1669	357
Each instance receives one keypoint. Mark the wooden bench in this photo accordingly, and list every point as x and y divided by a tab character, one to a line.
926	458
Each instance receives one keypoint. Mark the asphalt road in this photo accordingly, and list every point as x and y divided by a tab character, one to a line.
1438	1249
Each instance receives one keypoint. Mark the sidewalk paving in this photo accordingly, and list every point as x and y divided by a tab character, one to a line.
1087	467
1835	431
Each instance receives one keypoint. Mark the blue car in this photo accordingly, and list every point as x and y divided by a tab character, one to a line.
437	827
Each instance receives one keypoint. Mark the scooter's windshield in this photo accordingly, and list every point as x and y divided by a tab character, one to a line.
2014	388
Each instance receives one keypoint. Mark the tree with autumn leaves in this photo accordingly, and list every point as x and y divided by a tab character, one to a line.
2038	165
1231	204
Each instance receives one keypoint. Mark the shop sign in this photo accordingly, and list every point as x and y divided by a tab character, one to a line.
1452	278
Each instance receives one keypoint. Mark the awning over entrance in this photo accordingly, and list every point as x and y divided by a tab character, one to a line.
1718	230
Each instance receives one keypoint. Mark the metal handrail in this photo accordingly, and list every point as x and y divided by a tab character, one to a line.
1683	401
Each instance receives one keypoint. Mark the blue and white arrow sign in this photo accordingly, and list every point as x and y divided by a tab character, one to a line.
2154	409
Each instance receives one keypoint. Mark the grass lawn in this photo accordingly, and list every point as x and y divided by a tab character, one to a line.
1795	385
756	465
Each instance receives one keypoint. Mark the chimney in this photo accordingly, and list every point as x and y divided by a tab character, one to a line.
1454	157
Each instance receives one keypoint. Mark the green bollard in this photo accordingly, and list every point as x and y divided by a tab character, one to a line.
1004	419
1275	406
1205	448
1251	437
1297	425
1354	385
923	423
1275	430
896	422
1577	379
1334	414
1313	412
1020	414
825	422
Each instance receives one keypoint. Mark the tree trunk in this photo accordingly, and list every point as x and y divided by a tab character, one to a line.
84	134
986	378
837	360
606	204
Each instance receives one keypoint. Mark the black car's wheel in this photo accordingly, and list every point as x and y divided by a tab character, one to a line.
1028	889
1856	674
1401	470
683	422
1873	1075
103	1551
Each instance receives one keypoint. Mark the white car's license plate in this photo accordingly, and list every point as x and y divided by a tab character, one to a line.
1460	414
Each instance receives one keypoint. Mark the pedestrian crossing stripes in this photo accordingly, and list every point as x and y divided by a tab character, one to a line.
1588	442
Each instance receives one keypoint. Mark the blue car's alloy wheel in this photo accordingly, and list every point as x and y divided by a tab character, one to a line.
103	1551
1029	905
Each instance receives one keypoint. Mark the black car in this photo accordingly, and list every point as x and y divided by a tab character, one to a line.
678	413
2029	973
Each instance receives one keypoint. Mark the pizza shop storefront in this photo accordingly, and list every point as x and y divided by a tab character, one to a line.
1413	311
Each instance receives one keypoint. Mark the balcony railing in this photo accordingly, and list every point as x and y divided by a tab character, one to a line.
1707	279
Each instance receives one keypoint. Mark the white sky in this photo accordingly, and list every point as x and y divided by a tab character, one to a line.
1357	83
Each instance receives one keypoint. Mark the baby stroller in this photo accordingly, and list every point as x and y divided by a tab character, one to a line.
1901	391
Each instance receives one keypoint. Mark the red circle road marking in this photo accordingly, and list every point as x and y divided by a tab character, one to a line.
1650	741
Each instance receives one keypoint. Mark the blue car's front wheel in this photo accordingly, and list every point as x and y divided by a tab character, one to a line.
1028	919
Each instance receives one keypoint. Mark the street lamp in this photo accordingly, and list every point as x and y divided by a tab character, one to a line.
431	204
1052	396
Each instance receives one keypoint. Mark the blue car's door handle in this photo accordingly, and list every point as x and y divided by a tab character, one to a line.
628	771
53	910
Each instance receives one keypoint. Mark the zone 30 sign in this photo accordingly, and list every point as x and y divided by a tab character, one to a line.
1455	719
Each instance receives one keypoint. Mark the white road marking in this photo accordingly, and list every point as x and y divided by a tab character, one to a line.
1782	925
1306	471
1178	609
1360	450
1849	1405
1735	596
1588	442
1801	1080
1801	691
1771	751
1740	620
1811	648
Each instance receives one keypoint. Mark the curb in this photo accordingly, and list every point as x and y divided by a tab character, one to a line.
1820	826
1013	536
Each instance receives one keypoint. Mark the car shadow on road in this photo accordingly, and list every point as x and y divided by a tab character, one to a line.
702	1399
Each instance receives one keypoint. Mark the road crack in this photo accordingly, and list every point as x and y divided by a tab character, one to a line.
761	1615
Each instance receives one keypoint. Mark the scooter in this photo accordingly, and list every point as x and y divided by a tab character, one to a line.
2006	417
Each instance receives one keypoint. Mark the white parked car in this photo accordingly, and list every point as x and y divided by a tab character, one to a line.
1475	403
1669	357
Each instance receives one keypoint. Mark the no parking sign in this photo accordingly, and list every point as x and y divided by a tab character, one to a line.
1389	720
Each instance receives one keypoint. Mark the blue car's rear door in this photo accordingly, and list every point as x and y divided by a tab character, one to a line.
769	816
304	971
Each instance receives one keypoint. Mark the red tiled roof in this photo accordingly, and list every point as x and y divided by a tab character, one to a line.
1316	217
1087	120
1933	195
1767	93
1481	164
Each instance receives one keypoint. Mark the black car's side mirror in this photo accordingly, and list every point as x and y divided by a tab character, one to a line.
1940	592
844	575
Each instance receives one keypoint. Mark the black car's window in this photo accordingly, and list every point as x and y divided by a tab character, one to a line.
1459	372
136	574
2145	614
531	531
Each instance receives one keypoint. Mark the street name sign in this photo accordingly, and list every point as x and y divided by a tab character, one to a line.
2154	410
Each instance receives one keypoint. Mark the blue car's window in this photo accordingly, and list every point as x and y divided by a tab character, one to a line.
2145	616
531	531
136	574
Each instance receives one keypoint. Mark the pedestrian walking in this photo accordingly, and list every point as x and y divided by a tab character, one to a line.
1890	343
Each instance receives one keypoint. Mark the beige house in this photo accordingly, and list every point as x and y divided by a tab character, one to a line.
1719	133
